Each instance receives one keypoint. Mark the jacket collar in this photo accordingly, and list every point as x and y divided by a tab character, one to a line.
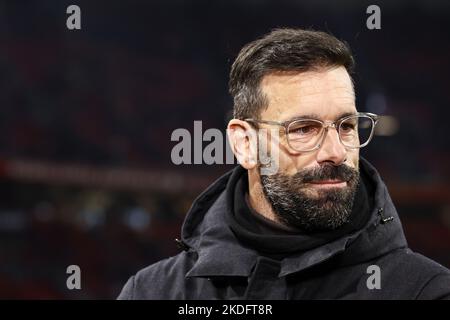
219	253
206	231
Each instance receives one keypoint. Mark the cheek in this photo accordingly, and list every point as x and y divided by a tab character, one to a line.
353	159
293	163
285	161
271	147
289	163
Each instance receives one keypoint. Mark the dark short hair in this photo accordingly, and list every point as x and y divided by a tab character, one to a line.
281	50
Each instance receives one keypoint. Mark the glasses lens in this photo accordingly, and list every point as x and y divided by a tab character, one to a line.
304	135
355	132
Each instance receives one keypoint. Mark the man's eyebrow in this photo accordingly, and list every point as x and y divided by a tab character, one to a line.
303	117
314	116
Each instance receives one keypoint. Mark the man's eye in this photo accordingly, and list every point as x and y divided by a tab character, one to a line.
304	130
347	126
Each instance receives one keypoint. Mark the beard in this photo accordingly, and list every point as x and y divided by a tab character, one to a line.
297	204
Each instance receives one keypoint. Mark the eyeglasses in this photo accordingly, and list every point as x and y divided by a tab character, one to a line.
354	131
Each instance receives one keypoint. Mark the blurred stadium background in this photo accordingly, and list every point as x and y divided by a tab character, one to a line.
86	119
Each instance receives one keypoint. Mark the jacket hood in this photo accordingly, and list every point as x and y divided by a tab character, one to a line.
206	231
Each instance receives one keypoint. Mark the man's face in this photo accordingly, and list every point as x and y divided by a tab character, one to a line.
311	190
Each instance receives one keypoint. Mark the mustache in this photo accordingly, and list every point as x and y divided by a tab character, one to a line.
326	172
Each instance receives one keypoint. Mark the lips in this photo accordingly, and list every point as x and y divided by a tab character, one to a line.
329	183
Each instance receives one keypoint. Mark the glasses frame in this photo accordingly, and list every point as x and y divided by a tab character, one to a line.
325	125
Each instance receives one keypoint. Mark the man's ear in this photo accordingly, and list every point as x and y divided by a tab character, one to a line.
243	142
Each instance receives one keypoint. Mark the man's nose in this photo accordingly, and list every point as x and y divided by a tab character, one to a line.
332	150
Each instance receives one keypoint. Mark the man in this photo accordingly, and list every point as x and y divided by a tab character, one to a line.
311	221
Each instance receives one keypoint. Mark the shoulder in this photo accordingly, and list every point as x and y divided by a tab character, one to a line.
405	269
161	280
414	262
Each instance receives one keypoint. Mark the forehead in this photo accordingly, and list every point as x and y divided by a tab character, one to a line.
325	93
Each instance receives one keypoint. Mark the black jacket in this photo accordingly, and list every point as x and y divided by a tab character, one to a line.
215	265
